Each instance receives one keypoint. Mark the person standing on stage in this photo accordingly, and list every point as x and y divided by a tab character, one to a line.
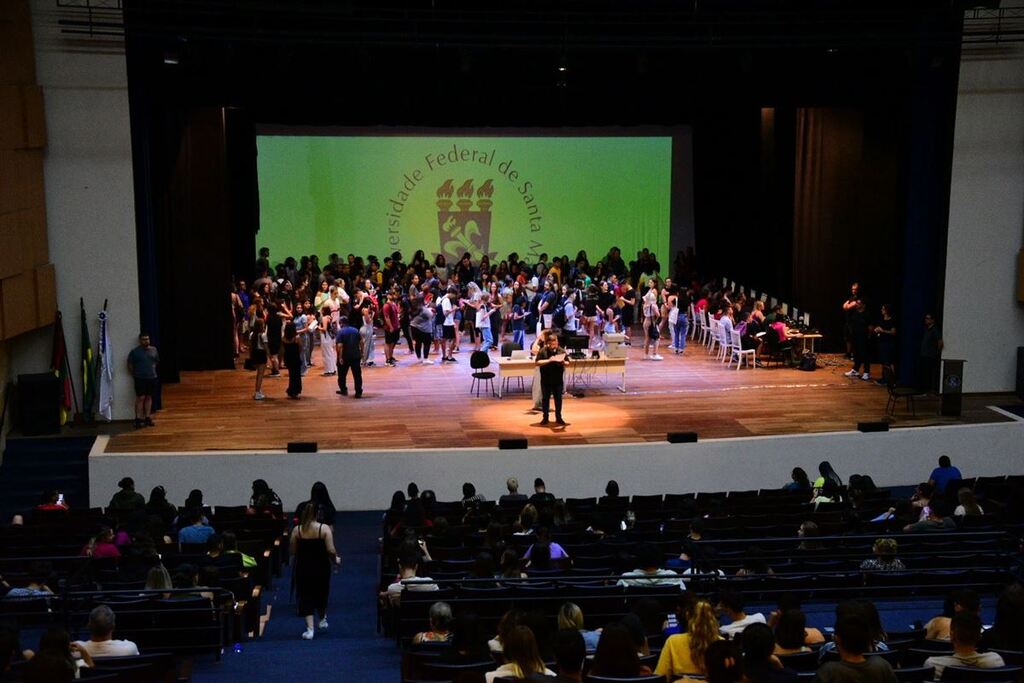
328	332
849	306
258	354
931	354
292	360
392	328
857	323
350	353
552	361
449	305
142	363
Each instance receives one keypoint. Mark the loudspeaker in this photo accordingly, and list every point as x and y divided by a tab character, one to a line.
302	446
39	404
872	426
682	437
512	444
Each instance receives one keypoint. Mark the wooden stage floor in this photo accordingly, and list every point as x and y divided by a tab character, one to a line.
415	406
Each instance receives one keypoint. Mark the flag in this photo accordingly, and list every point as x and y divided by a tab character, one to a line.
88	369
59	367
104	370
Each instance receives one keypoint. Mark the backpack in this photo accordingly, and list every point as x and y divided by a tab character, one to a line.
558	315
809	362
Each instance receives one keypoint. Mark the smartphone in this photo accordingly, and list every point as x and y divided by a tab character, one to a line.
60	499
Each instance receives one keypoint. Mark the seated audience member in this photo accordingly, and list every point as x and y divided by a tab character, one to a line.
964	600
55	662
1006	632
616	654
51	501
36	587
932	521
544	536
570	616
650	573
126	499
800	481
509	620
677	620
691	549
808	531
788	601
683	653
230	542
468	643
408	563
885	557
440	623
968	504
264	500
730	605
724	663
101	641
943	474
868	613
197	532
10	648
159	506
853	639
216	556
158	578
513	496
921	500
541	497
470	498
965	629
509	565
790	633
760	665
570	653
523	526
611	494
522	657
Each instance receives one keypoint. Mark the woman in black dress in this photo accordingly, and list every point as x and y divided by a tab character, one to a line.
292	360
313	554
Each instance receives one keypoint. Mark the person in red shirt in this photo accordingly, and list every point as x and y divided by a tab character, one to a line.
392	328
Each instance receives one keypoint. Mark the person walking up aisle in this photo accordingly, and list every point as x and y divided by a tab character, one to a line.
312	550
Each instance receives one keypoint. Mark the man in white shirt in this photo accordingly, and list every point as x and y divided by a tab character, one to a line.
407	572
650	573
449	306
965	630
730	605
101	631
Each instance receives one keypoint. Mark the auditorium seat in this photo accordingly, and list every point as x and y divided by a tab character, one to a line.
970	674
914	674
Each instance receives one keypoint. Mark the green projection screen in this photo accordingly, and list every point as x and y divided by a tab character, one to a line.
367	194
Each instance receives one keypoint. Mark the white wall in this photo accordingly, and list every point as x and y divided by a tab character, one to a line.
982	321
89	201
365	480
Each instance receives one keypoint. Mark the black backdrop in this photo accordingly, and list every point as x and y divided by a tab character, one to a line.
881	80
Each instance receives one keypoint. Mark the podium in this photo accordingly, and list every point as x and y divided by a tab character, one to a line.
952	386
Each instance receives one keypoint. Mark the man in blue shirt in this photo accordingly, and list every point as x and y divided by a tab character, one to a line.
943	474
350	352
197	532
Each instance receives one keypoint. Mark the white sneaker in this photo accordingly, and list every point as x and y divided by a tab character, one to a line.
307	634
258	396
671	348
851	373
657	357
323	624
865	377
426	361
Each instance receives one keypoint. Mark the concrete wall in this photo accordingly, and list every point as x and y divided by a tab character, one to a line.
89	199
982	320
365	480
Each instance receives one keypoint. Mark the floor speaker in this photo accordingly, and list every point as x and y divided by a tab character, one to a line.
682	437
511	444
872	426
302	446
39	404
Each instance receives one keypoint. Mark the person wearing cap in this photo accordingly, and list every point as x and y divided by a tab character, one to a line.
127	499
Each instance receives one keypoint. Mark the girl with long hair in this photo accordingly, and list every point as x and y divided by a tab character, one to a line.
258	354
292	350
616	654
312	548
328	349
684	653
522	657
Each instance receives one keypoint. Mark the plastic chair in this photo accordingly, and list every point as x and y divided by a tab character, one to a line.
479	361
739	353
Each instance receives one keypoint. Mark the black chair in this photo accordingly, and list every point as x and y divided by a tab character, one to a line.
1011	657
971	674
916	656
800	661
896	392
591	678
892	656
508	347
914	674
479	361
461	673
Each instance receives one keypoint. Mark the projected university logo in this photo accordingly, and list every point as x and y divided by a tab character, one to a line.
464	229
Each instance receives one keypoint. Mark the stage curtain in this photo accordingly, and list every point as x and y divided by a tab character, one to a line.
846	216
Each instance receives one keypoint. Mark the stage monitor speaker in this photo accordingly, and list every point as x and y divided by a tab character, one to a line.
39	404
512	444
302	446
682	437
872	426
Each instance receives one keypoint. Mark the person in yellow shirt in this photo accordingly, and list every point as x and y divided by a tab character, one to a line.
683	653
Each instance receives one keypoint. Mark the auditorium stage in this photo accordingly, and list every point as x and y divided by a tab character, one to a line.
414	406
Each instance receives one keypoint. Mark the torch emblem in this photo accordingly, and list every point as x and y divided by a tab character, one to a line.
465	228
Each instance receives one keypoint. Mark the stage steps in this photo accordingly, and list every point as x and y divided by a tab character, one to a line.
30	466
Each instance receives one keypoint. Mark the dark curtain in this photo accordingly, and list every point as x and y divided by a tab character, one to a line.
847	217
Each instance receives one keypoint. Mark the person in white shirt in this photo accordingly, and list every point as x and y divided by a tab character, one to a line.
965	629
101	631
449	305
407	572
730	605
570	313
649	573
483	323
